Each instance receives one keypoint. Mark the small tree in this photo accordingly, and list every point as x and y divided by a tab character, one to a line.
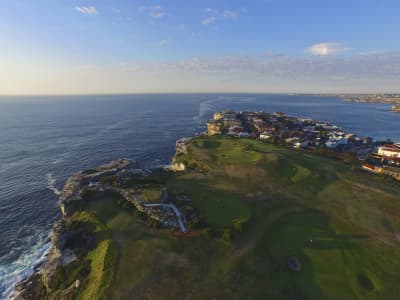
238	224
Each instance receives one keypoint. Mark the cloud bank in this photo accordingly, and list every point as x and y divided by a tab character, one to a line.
374	65
263	73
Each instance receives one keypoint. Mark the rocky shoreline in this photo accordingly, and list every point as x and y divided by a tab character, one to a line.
38	285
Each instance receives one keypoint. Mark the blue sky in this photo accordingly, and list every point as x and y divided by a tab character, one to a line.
72	46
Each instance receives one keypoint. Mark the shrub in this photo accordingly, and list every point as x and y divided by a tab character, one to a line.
226	236
239	224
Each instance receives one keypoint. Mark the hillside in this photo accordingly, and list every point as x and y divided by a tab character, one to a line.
263	222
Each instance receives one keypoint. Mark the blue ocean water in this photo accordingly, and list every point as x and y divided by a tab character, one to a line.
43	140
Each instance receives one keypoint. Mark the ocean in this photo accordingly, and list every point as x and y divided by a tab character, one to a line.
43	140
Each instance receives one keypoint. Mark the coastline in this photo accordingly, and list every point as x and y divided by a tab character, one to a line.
71	195
57	254
11	293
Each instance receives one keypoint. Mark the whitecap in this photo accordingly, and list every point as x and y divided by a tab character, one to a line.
51	181
20	269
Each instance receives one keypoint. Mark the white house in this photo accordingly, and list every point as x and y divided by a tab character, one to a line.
392	151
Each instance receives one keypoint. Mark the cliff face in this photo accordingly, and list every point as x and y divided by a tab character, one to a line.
38	286
180	149
62	254
214	128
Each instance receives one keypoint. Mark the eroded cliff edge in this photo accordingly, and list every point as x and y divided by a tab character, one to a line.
70	241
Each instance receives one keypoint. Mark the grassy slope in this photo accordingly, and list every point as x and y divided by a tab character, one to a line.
351	217
289	198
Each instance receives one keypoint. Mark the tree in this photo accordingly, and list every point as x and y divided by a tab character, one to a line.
238	224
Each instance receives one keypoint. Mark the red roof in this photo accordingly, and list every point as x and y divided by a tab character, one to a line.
368	166
391	146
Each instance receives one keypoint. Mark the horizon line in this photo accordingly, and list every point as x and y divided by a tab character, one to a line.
200	93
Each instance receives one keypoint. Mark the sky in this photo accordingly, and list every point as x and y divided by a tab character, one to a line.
191	46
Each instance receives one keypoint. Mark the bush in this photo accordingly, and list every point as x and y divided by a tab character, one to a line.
239	224
226	236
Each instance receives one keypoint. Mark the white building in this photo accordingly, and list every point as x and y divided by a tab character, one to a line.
265	136
389	151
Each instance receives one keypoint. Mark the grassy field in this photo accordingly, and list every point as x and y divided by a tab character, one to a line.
341	224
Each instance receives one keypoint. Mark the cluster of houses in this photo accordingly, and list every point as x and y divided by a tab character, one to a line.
385	161
306	134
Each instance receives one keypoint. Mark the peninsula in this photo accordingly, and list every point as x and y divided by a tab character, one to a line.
247	211
368	98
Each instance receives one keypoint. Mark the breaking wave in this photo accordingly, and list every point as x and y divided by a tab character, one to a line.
51	181
23	267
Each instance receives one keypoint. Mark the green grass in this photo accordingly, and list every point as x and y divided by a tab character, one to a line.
217	207
151	194
333	262
285	197
101	271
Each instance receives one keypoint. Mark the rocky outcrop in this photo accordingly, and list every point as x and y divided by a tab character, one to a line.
181	148
178	167
39	284
214	127
89	179
62	253
59	254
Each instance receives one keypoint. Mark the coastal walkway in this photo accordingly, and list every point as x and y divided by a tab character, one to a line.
176	211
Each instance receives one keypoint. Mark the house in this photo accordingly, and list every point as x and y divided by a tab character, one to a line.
265	136
392	171
279	114
224	115
301	145
218	116
389	151
238	131
372	168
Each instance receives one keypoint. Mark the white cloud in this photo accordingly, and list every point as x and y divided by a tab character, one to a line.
155	11
214	15
87	10
324	49
229	14
157	15
163	43
208	20
116	10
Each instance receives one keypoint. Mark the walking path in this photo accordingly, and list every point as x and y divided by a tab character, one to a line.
173	207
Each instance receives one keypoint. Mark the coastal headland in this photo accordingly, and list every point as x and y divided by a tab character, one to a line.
236	216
